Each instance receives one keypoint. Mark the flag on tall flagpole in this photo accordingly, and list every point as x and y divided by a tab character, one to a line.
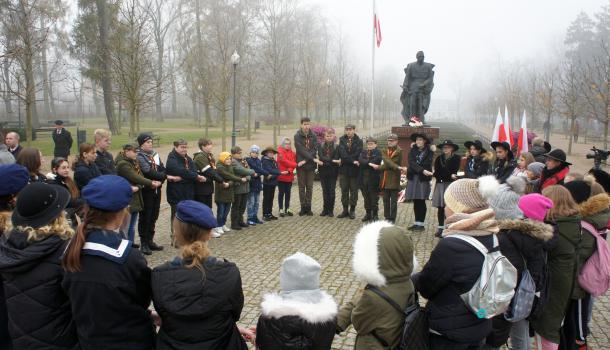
495	136
507	129
522	143
377	27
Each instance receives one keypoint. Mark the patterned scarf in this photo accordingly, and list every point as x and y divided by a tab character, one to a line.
349	143
420	156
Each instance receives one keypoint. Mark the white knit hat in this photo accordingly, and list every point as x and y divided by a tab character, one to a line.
505	201
470	195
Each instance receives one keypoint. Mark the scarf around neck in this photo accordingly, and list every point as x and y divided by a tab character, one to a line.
480	223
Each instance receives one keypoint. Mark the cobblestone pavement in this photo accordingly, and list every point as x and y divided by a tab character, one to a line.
258	252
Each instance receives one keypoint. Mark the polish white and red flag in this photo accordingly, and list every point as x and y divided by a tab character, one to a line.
499	135
522	143
507	129
377	28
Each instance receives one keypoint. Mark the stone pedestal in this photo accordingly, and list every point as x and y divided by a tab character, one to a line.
404	138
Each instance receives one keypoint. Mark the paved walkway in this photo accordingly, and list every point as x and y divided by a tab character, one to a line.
258	252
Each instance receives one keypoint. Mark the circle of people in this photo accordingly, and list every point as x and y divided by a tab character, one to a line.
73	278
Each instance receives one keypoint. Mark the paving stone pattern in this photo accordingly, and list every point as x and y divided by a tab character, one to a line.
258	252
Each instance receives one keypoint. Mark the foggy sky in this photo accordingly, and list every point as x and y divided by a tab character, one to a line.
460	36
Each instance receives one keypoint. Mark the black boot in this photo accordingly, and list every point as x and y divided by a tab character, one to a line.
154	246
375	216
145	249
309	212
367	217
344	213
303	211
352	212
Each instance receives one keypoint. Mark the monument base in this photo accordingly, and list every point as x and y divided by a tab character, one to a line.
404	137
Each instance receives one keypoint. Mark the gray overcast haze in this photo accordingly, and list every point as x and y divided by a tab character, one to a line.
460	37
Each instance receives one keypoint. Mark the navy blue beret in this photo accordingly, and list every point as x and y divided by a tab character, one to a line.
108	192
193	212
15	177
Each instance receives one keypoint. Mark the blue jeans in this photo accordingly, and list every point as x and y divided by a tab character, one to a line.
222	212
131	232
253	204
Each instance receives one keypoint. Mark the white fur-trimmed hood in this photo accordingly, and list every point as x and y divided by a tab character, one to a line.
366	254
275	305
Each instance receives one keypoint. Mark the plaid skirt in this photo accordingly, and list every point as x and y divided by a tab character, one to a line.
438	197
417	189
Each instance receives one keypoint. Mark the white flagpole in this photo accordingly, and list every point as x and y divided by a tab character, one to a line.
373	72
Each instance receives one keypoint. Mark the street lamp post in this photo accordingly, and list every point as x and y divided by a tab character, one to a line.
328	82
235	61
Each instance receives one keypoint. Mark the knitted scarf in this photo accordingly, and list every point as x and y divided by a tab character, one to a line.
480	223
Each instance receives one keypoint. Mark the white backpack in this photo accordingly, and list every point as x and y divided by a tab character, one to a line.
494	289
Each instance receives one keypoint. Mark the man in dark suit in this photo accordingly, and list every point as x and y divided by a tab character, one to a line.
12	143
62	139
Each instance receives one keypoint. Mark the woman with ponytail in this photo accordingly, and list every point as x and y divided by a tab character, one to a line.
199	297
60	175
107	281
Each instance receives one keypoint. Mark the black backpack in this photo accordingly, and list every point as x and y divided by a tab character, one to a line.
415	331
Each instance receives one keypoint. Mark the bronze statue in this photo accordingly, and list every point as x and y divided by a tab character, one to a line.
416	89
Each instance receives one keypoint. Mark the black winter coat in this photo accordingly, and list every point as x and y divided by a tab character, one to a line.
348	154
178	165
63	143
476	167
39	311
291	324
199	310
327	152
503	169
452	270
83	173
444	168
372	176
270	167
523	243
151	170
105	163
256	182
110	296
418	167
306	148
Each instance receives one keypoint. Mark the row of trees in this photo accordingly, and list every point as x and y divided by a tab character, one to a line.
570	87
149	57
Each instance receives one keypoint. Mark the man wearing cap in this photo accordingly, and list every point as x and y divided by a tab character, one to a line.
241	191
350	146
206	166
391	166
328	171
62	139
368	179
306	146
505	162
12	143
128	167
181	165
16	177
104	160
256	185
555	169
153	169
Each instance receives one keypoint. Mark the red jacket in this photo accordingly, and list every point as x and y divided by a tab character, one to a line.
286	160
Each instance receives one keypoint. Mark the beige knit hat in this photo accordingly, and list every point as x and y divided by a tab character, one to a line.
470	195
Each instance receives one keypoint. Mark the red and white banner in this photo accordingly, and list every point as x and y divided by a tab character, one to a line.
523	142
495	136
508	131
377	28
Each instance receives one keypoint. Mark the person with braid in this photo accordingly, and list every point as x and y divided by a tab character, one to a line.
198	297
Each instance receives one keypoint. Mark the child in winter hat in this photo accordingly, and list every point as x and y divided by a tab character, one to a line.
506	199
470	195
535	206
300	310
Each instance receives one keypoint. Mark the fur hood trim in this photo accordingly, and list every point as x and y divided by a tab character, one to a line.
536	229
276	306
366	253
595	205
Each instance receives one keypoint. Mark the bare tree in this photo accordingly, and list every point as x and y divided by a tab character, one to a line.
162	15
277	50
595	88
105	62
133	63
569	94
546	95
